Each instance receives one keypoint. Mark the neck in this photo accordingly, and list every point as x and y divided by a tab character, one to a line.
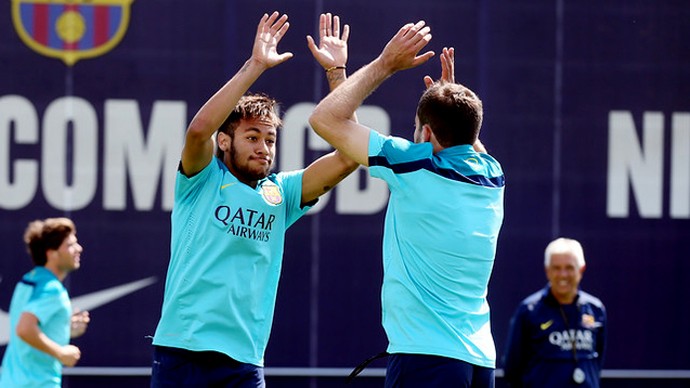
61	275
564	299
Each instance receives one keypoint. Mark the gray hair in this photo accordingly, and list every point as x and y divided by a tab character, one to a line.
564	245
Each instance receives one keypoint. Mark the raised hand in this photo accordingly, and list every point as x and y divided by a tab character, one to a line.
269	32
401	51
332	48
447	67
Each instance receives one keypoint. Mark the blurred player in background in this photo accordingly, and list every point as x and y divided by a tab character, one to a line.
41	317
557	335
443	219
229	221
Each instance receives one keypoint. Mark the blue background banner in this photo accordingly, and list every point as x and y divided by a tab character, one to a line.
586	107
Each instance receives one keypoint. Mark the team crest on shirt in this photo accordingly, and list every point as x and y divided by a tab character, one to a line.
588	321
271	193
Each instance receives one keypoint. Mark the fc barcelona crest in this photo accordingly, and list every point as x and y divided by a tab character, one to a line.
271	193
71	30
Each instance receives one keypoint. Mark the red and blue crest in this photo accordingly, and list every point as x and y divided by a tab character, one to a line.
71	29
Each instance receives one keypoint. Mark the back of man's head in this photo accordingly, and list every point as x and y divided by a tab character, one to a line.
42	235
453	112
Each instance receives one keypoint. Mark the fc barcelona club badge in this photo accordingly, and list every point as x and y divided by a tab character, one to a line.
271	193
71	30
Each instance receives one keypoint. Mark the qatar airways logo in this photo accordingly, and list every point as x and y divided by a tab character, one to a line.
565	339
246	223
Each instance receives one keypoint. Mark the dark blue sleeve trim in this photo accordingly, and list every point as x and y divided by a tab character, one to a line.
401	168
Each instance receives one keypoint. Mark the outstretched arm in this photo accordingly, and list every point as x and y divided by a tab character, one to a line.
198	147
332	117
331	53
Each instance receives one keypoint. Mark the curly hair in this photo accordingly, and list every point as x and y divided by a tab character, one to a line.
42	235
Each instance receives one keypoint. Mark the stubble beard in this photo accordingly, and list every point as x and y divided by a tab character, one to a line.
242	169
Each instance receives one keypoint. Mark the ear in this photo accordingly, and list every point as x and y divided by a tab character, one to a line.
223	141
582	270
427	134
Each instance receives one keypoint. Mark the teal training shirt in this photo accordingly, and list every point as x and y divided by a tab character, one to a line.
43	295
226	255
442	223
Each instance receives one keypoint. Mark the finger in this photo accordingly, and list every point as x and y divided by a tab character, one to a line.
418	60
270	21
423	33
329	24
416	27
346	33
336	26
283	29
262	23
284	57
428	81
404	29
311	45
279	24
322	26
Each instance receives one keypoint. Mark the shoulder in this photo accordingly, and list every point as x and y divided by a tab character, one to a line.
534	299
389	150
531	304
285	179
587	298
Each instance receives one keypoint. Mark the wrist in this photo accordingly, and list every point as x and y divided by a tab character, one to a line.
332	68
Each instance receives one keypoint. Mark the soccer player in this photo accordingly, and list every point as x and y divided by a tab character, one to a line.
41	317
444	215
229	221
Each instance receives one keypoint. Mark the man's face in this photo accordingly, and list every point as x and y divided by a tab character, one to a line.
251	150
67	256
564	275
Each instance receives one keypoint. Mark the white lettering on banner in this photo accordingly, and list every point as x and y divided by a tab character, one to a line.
127	151
680	166
19	180
639	168
143	157
351	198
61	115
72	186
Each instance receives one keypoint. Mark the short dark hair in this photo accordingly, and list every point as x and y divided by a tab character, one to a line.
42	235
453	111
250	106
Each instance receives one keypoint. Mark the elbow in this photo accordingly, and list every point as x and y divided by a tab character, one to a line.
23	332
316	120
199	129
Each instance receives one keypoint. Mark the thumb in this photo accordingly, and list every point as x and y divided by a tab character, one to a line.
311	44
428	81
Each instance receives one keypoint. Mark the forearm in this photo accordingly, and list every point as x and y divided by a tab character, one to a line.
218	107
335	78
38	340
341	104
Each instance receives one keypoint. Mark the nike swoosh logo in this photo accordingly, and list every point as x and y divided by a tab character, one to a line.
546	324
225	186
85	302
